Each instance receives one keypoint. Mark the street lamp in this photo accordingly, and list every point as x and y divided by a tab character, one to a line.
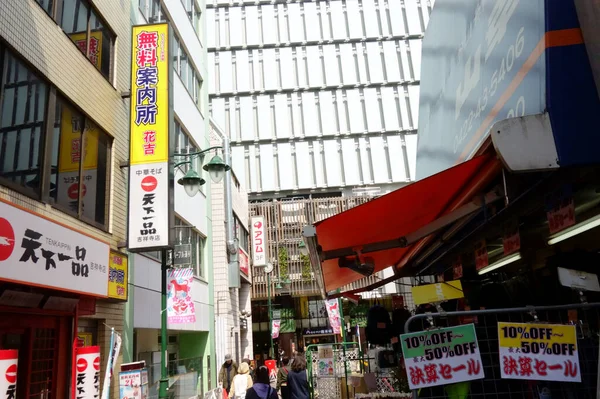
191	183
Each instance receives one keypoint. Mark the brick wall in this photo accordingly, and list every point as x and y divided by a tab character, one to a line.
26	28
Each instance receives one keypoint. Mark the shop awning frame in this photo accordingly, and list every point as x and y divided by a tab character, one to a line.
465	204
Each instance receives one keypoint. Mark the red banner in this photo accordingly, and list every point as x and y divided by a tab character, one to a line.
243	258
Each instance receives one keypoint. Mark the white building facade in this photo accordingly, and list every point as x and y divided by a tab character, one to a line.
191	347
318	96
233	320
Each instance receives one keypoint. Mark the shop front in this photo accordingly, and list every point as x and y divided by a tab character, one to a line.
50	274
314	336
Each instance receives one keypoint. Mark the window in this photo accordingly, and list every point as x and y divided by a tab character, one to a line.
185	234
76	141
185	145
86	29
241	234
193	12
30	127
24	101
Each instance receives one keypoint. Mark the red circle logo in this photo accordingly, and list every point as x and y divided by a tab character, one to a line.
7	239
11	374
97	363
149	183
73	191
81	365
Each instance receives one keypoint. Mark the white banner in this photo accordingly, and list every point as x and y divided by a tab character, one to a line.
115	344
34	250
148	206
8	373
87	372
259	241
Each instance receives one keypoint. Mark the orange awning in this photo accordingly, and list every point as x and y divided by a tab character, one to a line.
380	232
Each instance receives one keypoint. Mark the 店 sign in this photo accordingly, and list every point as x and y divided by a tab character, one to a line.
8	373
117	276
538	352
87	372
259	241
149	182
442	356
34	250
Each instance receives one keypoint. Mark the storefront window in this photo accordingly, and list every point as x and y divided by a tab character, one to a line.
24	99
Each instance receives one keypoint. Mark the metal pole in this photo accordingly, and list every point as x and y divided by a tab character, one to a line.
342	322
270	314
164	377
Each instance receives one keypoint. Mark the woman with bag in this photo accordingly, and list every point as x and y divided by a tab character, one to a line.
241	382
262	388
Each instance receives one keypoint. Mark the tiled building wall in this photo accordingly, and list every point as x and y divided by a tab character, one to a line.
30	32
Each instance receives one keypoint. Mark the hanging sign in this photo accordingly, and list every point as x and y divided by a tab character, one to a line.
243	258
115	344
538	352
149	183
511	239
180	304
87	372
438	292
457	269
276	324
333	311
259	241
442	356
481	255
8	373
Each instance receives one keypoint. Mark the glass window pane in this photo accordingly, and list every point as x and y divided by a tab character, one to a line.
66	156
95	171
74	18
183	69
176	50
22	114
46	5
101	44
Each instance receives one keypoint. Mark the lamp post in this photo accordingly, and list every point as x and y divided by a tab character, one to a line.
268	269
191	182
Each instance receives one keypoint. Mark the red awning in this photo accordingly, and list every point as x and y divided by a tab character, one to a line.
382	225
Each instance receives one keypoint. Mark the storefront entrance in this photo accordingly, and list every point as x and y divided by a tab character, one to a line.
42	342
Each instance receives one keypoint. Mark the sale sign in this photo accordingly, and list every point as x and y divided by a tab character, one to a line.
442	356
8	373
87	372
538	352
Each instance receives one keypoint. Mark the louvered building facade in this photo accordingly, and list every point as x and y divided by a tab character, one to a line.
318	96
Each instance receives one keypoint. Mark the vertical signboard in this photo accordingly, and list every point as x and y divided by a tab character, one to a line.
180	303
243	258
117	276
87	372
8	373
259	241
150	180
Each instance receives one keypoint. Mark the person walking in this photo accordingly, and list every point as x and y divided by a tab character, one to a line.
250	366
227	372
298	379
262	388
282	374
241	382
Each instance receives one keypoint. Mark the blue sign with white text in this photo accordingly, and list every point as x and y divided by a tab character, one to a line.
482	62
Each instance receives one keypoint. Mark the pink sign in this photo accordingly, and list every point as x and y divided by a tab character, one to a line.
275	329
180	305
243	258
333	311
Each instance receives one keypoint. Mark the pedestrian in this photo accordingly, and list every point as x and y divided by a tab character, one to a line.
261	388
228	371
282	376
251	366
298	379
241	382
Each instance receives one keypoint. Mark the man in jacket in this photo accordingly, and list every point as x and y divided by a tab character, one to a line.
228	371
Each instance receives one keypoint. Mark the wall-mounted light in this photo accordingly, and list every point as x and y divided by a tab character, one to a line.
499	263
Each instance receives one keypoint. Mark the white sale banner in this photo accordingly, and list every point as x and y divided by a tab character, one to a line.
87	372
8	373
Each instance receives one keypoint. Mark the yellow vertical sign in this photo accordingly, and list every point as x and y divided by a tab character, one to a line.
149	141
117	276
